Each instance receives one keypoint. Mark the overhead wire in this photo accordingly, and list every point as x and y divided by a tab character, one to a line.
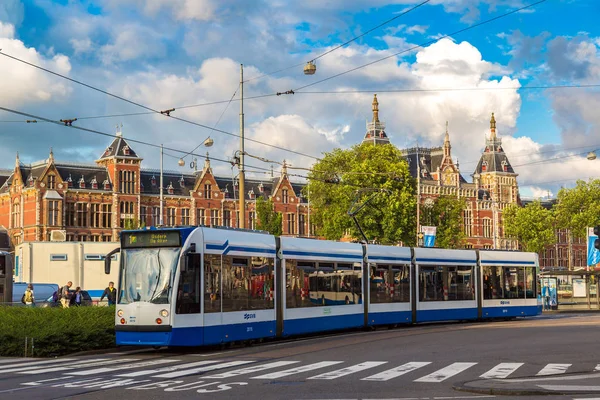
421	45
165	113
343	44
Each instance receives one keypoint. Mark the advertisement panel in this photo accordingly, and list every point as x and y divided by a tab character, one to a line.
593	255
428	235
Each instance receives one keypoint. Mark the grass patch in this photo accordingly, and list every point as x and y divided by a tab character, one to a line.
55	331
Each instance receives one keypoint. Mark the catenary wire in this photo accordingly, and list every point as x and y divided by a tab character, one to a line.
153	110
421	45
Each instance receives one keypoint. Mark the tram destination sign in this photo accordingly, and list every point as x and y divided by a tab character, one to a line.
150	239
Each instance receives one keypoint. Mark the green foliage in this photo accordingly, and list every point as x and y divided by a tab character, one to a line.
446	215
56	331
579	207
267	219
388	218
532	226
132	224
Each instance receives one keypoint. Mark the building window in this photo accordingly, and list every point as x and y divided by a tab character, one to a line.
200	215
127	181
207	191
487	227
70	237
171	216
284	196
237	219
70	214
16	214
51	181
301	224
96	216
126	208
214	217
53	212
468	222
291	224
251	220
107	238
155	216
95	238
227	218
107	215
143	211
81	215
82	238
185	216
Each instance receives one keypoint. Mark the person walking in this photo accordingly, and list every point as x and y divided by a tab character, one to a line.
28	298
77	297
65	295
111	294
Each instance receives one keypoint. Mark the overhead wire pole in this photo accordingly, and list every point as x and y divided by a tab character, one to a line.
241	165
160	218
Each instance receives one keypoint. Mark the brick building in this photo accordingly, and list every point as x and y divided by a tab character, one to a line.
52	200
493	188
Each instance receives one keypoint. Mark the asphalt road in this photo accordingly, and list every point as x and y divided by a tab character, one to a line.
548	355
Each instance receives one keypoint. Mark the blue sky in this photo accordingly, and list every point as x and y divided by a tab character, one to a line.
170	53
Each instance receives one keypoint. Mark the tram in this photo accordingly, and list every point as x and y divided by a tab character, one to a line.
197	286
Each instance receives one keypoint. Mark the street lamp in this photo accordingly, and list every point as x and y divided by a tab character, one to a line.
208	142
591	155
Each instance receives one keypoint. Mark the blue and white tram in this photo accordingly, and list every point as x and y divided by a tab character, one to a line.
203	286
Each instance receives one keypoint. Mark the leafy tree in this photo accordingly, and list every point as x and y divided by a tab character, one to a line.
579	207
446	215
132	224
267	219
344	178
532	225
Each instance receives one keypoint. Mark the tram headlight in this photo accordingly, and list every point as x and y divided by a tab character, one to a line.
120	313
122	321
158	321
164	313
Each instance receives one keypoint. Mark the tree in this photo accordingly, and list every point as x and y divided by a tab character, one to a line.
532	225
132	224
346	177
267	219
446	214
579	207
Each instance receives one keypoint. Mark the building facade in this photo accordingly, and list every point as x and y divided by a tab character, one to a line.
493	187
60	201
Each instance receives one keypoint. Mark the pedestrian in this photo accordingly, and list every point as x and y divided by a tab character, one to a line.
65	295
28	298
111	294
77	297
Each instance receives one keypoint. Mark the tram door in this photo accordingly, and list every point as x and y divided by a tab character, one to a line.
189	297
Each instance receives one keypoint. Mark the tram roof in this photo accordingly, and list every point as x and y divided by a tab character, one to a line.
325	250
508	258
431	256
388	254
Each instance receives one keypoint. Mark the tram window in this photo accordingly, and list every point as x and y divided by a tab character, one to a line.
389	283
504	283
2	266
188	289
212	283
247	283
446	283
530	283
300	282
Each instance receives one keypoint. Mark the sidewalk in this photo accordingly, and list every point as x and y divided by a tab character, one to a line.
574	308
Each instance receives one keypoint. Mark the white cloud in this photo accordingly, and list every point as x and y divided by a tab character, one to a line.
7	30
132	42
417	28
28	84
81	45
12	12
200	10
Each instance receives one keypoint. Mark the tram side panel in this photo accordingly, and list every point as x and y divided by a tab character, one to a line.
389	285
509	284
322	286
446	287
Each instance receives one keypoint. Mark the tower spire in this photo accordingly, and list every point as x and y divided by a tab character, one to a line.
493	127
447	136
375	109
17	161
51	157
447	142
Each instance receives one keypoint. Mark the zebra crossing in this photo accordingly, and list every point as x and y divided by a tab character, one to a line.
263	370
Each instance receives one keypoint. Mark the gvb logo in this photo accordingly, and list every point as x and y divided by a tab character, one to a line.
249	316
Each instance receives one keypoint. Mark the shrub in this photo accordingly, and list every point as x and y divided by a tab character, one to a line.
55	331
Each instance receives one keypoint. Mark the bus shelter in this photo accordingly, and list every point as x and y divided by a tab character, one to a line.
571	289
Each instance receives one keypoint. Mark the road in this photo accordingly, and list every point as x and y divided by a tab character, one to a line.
421	362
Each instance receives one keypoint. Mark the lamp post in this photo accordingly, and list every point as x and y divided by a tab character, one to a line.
242	189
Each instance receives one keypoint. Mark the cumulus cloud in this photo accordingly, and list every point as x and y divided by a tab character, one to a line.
12	12
27	84
132	42
201	10
81	46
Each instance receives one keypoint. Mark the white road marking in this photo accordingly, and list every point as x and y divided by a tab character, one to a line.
552	369
396	372
501	370
167	369
202	369
445	373
298	370
118	367
250	370
349	370
7	368
43	381
562	388
36	367
77	365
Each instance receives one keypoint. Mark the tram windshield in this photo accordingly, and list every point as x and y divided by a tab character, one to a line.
147	275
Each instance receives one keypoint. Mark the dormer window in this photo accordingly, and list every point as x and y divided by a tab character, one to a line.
82	183
30	181
182	182
106	184
170	188
69	181
108	151
226	192
284	195
251	194
484	166
261	187
126	150
94	183
504	166
153	180
51	181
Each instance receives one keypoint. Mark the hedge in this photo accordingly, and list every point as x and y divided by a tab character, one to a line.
55	331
